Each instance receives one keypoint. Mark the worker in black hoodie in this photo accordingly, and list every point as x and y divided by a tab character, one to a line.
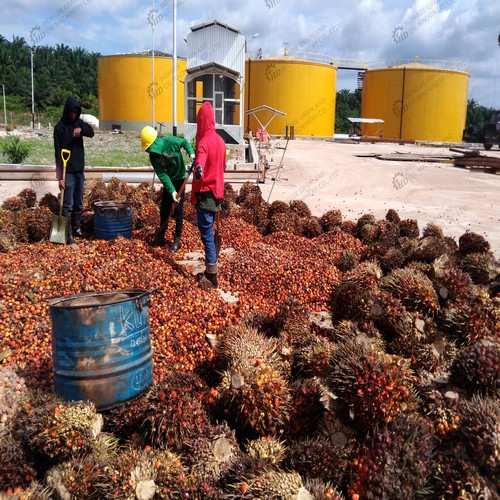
68	134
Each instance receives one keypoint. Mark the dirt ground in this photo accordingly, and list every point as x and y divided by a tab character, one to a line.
334	175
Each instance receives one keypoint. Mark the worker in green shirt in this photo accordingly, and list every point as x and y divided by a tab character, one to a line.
166	158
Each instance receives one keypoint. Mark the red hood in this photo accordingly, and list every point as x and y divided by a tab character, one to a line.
205	120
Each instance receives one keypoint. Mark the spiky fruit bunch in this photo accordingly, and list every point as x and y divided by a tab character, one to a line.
38	224
172	413
142	474
393	216
322	490
443	416
16	471
254	397
477	368
210	458
292	321
267	448
311	228
364	220
472	321
271	484
243	342
454	475
300	207
388	234
50	201
394	462
453	286
480	426
482	267
318	458
409	228
433	230
471	242
278	207
8	241
306	408
253	202
95	190
366	335
13	204
35	491
28	195
428	249
147	215
230	195
367	232
414	289
330	220
373	387
285	222
245	190
57	429
351	298
118	189
313	358
392	259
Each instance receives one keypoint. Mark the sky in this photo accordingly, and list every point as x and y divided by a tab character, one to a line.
381	32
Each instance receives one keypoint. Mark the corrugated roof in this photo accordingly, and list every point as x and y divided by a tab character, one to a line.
215	22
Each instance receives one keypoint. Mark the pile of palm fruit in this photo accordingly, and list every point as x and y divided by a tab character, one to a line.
361	359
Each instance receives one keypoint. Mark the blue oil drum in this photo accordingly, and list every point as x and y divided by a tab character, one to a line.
101	346
112	219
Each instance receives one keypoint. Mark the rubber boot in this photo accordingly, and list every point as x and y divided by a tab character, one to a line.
211	274
176	245
76	219
159	240
69	235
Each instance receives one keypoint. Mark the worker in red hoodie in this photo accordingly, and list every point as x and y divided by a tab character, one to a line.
208	184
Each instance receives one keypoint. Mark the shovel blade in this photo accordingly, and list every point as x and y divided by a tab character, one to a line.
218	243
59	230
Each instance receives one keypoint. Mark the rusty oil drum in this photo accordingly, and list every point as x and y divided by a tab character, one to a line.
113	219
101	346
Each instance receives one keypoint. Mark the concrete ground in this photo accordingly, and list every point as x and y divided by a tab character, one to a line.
334	175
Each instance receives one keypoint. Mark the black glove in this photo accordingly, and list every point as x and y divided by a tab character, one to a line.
197	173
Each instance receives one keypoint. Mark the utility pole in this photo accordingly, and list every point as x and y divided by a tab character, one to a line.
174	71
32	50
4	106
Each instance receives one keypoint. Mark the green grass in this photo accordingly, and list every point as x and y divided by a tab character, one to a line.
105	149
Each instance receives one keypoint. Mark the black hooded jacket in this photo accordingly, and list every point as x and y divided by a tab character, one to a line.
63	139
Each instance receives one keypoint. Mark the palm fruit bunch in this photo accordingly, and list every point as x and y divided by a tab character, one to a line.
12	393
373	387
455	476
245	190
453	286
141	474
306	407
330	220
254	397
16	470
352	297
173	412
313	358
311	228
94	190
471	242
56	429
271	484
266	448
482	267
394	461
414	289
322	490
28	195
409	228
392	259
471	321
285	222
119	190
476	368
366	334
480	427
13	204
436	408
210	457
292	322
50	201
428	249
318	458
300	207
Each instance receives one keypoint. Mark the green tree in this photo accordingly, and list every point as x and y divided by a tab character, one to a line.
348	104
476	118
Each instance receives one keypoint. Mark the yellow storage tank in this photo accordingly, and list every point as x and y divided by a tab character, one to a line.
126	90
417	101
303	90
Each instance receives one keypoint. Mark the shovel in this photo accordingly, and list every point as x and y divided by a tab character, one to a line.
163	227
217	236
59	225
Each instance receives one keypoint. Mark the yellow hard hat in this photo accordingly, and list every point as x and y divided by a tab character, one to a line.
148	136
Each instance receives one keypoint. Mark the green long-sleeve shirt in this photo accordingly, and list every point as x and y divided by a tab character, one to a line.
166	158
